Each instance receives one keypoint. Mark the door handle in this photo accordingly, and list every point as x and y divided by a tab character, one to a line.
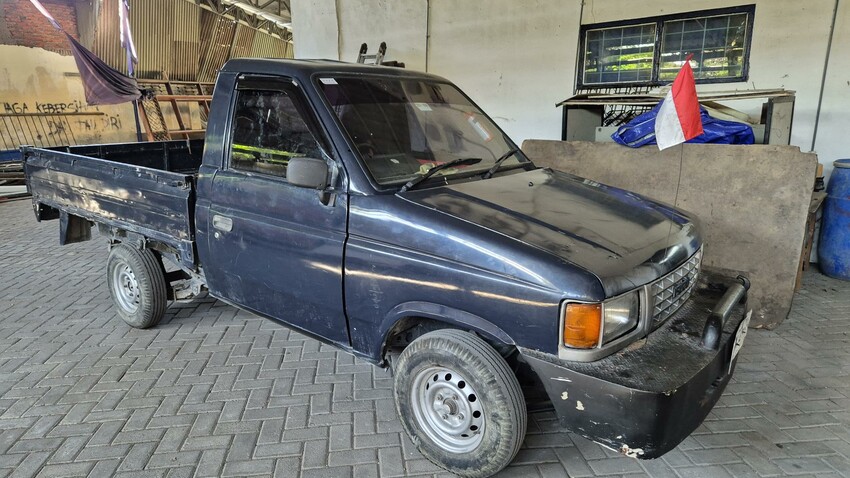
222	223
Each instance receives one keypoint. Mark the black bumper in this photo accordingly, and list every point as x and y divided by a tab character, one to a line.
644	400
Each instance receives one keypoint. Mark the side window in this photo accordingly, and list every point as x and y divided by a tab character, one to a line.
268	129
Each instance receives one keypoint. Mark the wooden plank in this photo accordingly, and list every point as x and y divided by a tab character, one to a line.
177	115
198	98
808	244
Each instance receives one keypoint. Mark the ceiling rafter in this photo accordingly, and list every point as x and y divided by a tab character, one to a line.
278	8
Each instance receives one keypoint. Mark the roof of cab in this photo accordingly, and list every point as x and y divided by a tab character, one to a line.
306	68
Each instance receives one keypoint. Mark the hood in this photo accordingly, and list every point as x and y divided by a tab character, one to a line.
623	238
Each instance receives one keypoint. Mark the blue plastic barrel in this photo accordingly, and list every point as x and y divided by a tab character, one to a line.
834	246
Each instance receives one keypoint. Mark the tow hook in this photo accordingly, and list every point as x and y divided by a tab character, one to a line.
714	324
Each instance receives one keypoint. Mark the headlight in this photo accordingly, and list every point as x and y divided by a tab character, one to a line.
585	323
621	316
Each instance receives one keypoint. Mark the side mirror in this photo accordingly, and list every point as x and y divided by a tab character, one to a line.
308	173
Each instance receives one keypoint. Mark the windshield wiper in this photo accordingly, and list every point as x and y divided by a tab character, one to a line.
498	163
455	162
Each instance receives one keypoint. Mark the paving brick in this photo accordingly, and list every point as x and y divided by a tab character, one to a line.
366	470
108	467
211	462
803	465
535	456
614	466
352	457
520	471
287	467
704	472
248	468
67	469
390	462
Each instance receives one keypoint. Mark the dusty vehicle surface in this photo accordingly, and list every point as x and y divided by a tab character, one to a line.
380	210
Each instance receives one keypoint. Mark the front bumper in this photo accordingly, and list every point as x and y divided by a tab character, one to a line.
644	400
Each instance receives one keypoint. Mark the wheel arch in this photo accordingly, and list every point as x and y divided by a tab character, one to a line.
432	316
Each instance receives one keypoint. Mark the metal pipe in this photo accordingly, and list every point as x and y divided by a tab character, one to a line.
823	78
427	32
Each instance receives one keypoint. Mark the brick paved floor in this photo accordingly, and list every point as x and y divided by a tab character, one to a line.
213	391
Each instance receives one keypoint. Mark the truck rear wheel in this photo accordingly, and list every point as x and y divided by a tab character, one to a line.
137	285
460	403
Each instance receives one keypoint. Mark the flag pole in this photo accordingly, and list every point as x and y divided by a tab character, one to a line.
130	50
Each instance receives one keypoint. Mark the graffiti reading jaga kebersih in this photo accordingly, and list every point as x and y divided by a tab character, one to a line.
66	113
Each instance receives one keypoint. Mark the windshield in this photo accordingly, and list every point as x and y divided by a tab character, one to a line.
404	127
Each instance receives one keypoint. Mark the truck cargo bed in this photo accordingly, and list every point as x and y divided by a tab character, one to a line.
143	188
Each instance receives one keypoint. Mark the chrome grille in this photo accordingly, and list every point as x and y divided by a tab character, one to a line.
673	290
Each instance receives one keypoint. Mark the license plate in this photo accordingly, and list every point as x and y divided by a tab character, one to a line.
740	335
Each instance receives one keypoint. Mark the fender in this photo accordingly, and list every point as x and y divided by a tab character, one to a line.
441	313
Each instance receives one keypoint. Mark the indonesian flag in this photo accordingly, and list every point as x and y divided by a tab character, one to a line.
678	118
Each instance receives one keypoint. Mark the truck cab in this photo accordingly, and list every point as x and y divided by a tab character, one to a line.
382	211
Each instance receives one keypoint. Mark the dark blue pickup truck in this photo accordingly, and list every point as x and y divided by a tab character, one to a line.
381	211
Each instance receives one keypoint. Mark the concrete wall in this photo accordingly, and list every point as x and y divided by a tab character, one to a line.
34	80
752	202
517	59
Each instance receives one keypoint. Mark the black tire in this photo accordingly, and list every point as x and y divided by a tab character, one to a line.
137	285
478	368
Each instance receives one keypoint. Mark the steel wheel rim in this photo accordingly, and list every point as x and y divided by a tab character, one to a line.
448	409
126	287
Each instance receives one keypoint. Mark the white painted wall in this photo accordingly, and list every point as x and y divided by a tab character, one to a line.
400	23
516	65
518	58
316	22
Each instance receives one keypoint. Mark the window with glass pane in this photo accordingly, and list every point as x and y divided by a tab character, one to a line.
619	55
650	51
403	127
717	43
268	129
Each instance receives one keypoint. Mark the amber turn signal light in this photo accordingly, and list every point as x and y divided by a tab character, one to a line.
582	324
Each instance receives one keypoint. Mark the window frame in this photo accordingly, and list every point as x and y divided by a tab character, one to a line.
659	22
299	100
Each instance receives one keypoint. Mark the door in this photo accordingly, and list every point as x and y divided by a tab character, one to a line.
275	248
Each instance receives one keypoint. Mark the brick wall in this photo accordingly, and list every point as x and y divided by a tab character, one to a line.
24	25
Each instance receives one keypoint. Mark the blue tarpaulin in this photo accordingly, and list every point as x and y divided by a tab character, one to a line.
10	156
641	131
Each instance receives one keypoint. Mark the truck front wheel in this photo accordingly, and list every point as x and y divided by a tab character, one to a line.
137	285
460	403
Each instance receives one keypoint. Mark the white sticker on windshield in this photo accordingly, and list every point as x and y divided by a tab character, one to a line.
479	128
328	81
423	106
